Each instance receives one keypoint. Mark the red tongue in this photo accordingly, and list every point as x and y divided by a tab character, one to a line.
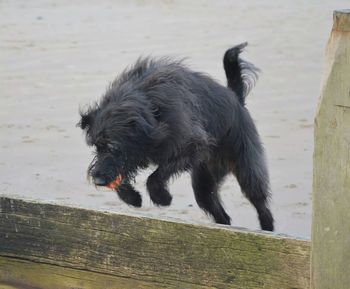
115	183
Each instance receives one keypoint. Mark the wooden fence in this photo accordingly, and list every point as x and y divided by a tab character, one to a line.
331	186
39	242
46	246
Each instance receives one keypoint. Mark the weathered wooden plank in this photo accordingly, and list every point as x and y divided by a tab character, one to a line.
169	254
331	187
21	274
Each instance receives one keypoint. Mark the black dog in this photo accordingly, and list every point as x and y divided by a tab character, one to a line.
160	112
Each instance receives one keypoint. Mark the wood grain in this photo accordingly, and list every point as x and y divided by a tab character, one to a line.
153	253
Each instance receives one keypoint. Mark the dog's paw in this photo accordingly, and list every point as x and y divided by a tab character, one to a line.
135	200
161	197
130	196
158	193
266	220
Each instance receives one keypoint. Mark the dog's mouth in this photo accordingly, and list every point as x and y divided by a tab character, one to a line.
115	183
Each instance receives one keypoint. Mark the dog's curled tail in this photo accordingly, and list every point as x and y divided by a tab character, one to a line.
241	75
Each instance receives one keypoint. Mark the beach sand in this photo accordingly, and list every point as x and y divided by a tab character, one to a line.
57	56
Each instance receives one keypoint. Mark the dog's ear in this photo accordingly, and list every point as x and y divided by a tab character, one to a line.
155	131
160	129
86	119
143	125
160	133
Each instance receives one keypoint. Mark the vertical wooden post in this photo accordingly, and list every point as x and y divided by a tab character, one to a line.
330	256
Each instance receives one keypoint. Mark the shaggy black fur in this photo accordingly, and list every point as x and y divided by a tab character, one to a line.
160	112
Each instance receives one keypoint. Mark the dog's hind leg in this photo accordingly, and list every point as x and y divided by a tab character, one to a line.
157	187
255	188
251	172
205	187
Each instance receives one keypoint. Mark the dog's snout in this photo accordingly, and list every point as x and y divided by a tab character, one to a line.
99	181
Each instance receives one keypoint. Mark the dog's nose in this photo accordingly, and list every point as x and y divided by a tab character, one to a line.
98	181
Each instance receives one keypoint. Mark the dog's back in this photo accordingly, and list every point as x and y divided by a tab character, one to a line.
194	97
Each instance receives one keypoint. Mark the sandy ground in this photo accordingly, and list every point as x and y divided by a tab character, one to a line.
57	56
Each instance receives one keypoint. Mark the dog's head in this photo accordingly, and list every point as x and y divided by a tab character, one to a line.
123	134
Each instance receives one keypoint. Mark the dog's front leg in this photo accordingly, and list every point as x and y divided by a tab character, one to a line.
157	186
129	195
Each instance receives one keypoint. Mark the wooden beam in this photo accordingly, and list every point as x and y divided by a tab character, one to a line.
331	187
147	252
21	274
